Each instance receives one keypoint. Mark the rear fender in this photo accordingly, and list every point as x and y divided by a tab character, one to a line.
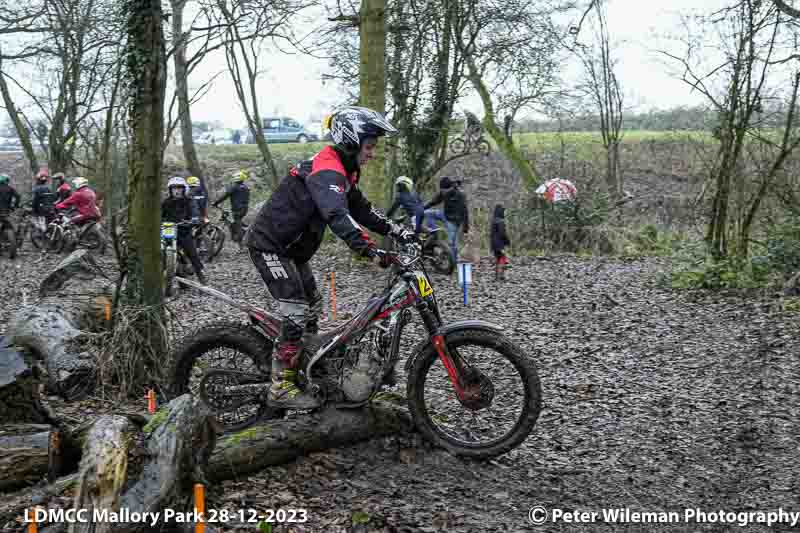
447	329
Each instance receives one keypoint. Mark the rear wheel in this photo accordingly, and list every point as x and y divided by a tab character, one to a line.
38	239
501	402
54	238
439	256
458	146
93	240
227	365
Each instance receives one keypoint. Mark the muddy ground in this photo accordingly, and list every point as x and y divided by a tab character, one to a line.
652	400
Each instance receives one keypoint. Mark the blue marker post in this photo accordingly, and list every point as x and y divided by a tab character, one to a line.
465	277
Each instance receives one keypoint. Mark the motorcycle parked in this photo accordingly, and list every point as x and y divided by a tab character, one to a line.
62	235
173	260
435	246
470	389
209	238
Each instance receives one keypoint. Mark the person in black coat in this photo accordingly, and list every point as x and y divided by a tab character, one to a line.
498	236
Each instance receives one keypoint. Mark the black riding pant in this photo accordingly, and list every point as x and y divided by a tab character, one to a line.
186	243
236	226
293	285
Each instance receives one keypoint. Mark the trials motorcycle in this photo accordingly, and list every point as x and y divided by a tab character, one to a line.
469	388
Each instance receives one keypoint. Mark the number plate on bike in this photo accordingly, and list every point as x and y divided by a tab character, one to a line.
425	288
168	232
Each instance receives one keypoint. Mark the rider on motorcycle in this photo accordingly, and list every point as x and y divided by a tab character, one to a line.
199	198
239	193
9	200
289	229
43	200
409	200
84	200
178	208
61	184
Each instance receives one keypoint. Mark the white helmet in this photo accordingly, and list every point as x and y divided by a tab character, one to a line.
79	182
405	180
177	181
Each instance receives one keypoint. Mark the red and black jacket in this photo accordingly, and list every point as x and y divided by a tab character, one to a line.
292	223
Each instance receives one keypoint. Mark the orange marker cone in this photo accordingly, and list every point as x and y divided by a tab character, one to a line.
32	527
151	401
200	507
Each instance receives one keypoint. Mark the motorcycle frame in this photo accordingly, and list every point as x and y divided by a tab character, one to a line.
402	292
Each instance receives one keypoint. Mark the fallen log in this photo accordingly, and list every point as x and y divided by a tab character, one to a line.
281	441
177	444
69	300
28	452
19	389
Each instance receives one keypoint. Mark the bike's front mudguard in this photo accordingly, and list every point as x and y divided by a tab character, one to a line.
445	330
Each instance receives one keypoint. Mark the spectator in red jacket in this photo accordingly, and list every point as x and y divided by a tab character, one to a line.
62	188
84	200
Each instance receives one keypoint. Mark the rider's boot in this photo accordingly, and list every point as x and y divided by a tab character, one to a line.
284	392
201	278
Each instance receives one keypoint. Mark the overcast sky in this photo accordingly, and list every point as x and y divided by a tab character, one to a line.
293	86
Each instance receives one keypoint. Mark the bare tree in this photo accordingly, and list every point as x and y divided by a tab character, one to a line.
604	90
424	78
501	41
249	26
740	88
76	59
25	20
205	38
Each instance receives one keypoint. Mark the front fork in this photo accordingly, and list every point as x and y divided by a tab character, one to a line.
453	365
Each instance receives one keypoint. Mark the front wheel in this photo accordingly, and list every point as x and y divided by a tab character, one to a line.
227	349
458	146
11	242
483	147
501	400
169	272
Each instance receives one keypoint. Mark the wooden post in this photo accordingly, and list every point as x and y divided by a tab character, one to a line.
200	507
333	296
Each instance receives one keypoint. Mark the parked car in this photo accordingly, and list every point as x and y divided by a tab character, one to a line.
285	130
216	137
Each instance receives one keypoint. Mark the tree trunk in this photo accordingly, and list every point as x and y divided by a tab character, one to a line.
372	89
612	171
182	91
281	441
506	147
146	62
19	126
